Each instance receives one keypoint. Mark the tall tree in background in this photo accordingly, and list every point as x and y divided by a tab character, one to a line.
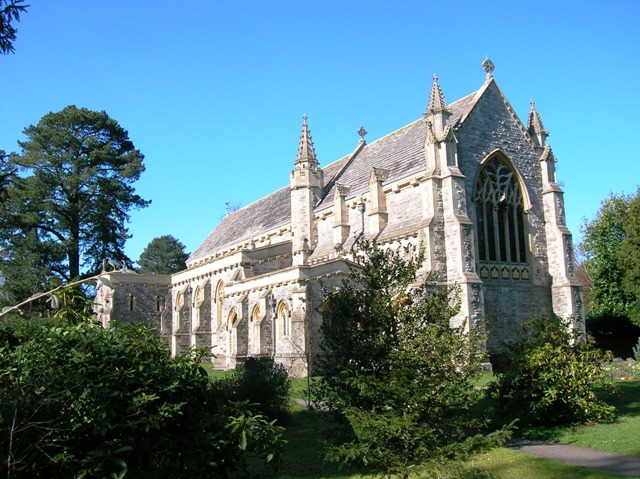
629	258
163	255
10	11
603	237
69	204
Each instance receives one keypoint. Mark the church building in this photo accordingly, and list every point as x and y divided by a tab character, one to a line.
467	181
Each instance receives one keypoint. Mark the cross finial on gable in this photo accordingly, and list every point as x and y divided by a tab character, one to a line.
488	66
362	133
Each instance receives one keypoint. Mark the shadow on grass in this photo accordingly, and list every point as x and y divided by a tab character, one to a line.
307	436
626	400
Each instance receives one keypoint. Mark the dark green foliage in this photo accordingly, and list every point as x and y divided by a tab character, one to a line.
552	377
25	272
163	255
603	239
265	383
10	11
629	258
67	208
82	401
394	370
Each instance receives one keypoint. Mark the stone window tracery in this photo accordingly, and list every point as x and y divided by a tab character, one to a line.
500	221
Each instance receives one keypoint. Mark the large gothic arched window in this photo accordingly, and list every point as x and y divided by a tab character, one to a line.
500	214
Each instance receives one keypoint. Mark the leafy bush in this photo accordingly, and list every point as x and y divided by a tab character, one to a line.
82	401
394	372
552	376
265	383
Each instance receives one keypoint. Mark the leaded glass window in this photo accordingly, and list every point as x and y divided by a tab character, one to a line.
500	214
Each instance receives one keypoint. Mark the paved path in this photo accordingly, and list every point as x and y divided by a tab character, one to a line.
579	456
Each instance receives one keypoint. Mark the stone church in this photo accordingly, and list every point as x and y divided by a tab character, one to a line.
467	181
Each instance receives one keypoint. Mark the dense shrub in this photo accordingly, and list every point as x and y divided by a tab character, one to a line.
82	401
394	372
265	383
552	376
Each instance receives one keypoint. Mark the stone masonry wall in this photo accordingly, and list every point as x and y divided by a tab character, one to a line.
489	128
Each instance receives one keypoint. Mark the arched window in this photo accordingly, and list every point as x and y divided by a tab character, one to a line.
233	333
500	214
283	320
219	299
255	329
131	299
179	300
198	297
233	318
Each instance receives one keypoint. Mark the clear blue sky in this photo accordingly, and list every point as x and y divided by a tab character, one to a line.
213	92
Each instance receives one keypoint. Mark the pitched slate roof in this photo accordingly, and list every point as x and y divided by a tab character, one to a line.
401	152
265	214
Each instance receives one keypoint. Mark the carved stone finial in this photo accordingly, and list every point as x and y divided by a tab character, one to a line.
362	133
534	123
532	102
436	104
306	151
488	66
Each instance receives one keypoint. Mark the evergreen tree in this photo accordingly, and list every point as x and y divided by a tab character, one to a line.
69	204
629	258
10	11
394	371
163	255
603	236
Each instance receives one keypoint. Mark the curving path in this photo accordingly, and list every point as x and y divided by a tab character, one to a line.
579	456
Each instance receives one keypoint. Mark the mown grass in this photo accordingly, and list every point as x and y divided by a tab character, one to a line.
307	435
620	437
508	464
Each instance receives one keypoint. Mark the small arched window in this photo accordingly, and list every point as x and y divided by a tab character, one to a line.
198	297
500	214
255	329
233	318
179	300
219	299
284	321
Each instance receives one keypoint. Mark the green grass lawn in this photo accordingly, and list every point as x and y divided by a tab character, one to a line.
620	437
307	432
